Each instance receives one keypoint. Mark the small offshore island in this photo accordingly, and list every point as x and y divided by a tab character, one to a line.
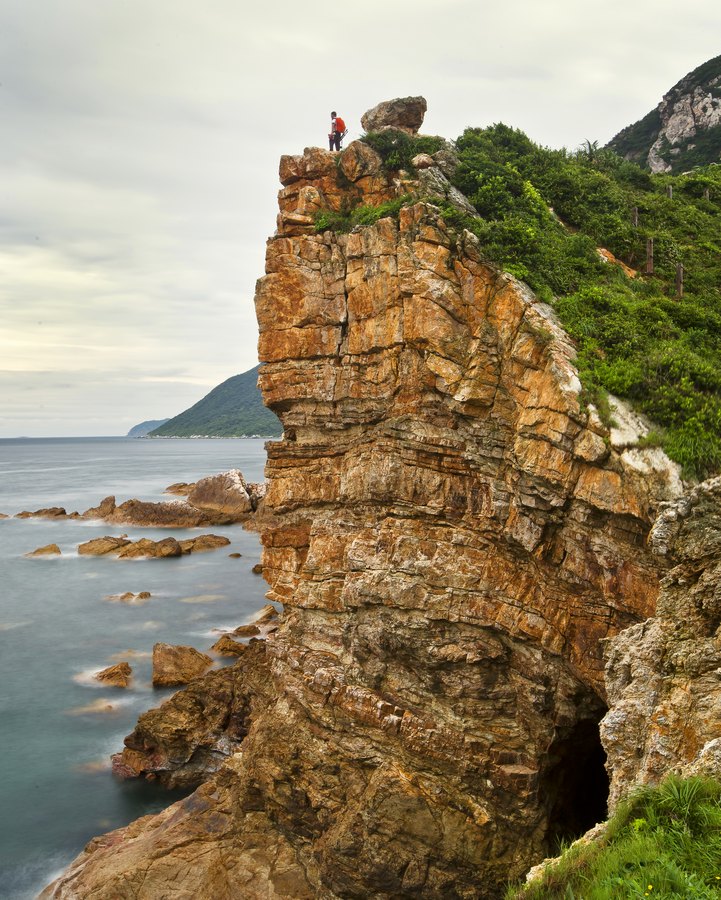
500	583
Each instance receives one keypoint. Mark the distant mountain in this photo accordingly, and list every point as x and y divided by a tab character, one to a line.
145	427
685	128
233	409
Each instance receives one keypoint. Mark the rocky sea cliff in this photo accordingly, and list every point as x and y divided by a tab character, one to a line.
454	538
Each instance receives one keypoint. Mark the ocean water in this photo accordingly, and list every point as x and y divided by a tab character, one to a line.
57	628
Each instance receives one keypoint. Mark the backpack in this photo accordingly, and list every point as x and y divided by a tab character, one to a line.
340	125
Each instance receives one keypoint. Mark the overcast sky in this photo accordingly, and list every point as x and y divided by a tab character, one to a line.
140	145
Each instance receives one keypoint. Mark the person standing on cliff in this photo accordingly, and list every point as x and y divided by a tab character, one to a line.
337	131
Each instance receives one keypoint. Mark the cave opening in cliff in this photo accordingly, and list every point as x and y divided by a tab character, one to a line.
574	783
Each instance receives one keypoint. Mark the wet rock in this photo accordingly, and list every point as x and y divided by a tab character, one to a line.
267	614
102	546
226	646
257	569
180	487
234	555
105	509
51	512
102	706
177	664
47	550
130	598
145	548
118	675
204	543
246	630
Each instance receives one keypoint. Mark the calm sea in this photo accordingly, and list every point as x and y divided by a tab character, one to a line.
57	628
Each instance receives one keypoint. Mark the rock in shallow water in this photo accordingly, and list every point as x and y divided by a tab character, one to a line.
118	675
177	664
47	550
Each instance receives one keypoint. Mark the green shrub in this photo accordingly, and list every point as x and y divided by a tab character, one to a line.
397	148
327	220
543	213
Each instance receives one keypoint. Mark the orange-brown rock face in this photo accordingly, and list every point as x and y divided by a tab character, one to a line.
451	537
453	542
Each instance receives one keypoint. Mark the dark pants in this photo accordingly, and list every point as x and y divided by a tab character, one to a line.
334	140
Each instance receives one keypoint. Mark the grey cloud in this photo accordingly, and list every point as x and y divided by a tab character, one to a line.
140	155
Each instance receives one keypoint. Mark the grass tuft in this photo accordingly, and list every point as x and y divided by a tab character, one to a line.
663	842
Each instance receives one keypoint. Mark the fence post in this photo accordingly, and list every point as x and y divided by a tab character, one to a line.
706	194
634	217
649	256
669	190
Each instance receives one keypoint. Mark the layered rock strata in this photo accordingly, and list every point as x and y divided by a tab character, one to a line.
452	537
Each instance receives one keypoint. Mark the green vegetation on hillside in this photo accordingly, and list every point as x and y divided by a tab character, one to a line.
232	409
397	148
663	842
345	221
543	214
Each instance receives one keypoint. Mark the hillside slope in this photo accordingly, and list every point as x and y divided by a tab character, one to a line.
685	128
232	409
144	428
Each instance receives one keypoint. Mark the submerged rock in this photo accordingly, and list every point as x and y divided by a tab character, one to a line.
177	664
130	598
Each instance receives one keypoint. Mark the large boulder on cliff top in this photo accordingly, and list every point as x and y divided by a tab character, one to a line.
176	664
405	113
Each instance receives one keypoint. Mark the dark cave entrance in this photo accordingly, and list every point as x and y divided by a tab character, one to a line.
574	783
